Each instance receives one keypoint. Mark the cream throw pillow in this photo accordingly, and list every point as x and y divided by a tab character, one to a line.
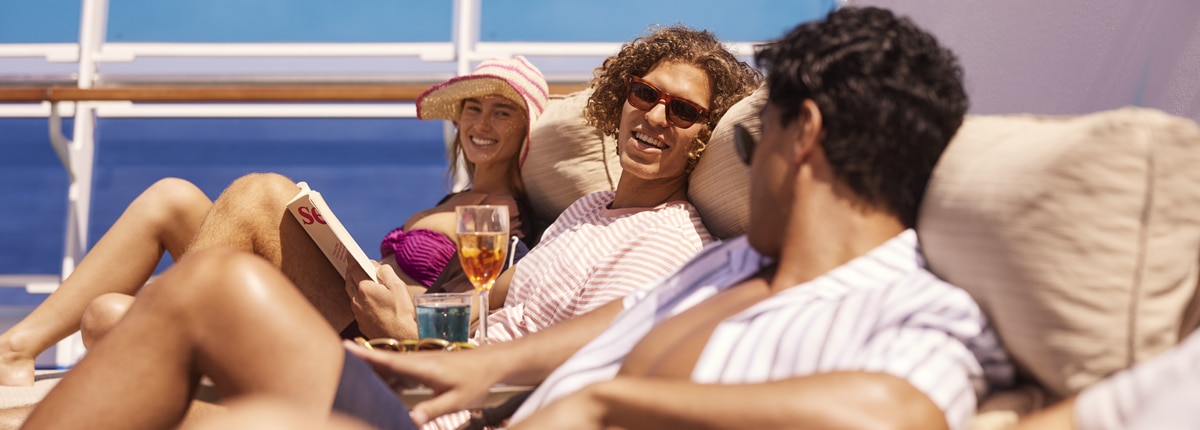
570	158
1078	235
720	184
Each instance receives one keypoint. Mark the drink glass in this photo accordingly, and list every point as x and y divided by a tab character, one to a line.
482	247
444	316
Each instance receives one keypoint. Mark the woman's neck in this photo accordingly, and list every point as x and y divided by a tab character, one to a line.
492	179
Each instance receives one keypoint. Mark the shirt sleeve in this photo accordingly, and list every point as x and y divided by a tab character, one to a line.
943	349
1138	394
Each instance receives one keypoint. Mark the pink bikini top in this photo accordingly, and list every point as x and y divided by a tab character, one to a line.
422	254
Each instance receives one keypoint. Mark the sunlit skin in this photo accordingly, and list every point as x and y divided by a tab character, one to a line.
772	166
491	129
654	152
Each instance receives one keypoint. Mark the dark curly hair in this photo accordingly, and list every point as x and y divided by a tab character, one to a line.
890	99
731	79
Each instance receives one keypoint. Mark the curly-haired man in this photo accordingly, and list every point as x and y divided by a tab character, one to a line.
661	95
823	316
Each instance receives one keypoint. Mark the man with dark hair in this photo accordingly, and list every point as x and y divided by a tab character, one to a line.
890	98
824	315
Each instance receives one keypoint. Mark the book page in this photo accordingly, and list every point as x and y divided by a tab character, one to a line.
330	235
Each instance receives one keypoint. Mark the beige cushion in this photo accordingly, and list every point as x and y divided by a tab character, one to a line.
572	159
1077	235
720	184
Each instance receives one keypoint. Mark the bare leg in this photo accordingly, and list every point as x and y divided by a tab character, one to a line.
13	418
220	313
251	215
268	414
100	316
164	217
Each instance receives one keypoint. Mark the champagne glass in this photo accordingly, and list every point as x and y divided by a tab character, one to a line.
482	247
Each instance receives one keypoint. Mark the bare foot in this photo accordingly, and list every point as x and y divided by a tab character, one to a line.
16	368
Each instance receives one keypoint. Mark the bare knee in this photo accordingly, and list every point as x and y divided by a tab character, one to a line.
212	278
171	210
101	315
247	215
266	190
254	199
200	292
171	200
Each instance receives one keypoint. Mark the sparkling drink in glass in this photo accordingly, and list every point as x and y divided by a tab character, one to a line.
482	247
482	256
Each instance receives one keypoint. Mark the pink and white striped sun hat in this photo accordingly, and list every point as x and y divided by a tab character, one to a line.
515	79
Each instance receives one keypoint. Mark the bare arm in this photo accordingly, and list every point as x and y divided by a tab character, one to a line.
1061	416
461	379
843	400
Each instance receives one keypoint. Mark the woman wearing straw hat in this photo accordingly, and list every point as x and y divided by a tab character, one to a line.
493	108
661	95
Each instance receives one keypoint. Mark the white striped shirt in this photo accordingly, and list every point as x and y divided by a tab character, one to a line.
882	311
593	255
1156	394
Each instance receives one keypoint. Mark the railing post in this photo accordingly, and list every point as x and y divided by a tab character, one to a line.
93	23
466	33
466	37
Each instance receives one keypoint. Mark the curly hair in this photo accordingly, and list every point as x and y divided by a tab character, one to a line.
890	99
731	79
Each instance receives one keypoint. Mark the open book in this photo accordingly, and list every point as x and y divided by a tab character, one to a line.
324	228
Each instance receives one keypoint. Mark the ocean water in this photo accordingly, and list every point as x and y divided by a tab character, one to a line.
373	172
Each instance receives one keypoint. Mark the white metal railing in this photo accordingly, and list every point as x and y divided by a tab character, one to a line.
99	63
427	51
52	52
92	55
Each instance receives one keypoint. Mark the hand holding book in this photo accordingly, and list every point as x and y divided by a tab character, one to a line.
384	308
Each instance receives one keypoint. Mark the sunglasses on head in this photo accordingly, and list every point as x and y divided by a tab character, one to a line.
744	142
681	112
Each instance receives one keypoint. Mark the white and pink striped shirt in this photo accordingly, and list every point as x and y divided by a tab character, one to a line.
593	255
1157	394
590	256
882	311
